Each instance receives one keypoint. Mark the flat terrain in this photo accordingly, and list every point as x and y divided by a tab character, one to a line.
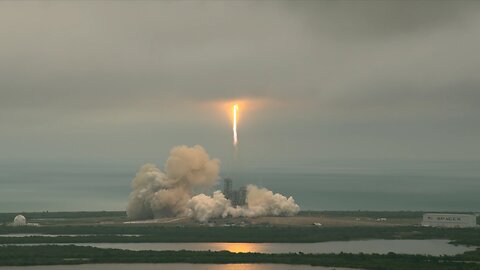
55	255
307	218
306	227
332	221
114	227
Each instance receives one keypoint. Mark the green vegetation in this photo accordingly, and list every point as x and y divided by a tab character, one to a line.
8	217
50	255
92	217
89	227
254	234
364	214
56	218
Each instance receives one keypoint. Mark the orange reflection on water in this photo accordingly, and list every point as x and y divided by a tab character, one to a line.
239	247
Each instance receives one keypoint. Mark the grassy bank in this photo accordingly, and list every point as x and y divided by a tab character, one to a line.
258	234
8	217
51	255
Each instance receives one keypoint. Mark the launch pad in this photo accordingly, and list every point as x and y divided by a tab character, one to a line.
237	197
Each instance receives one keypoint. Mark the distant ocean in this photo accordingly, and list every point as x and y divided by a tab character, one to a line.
42	187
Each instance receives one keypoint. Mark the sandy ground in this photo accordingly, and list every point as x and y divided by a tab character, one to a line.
316	220
325	221
332	221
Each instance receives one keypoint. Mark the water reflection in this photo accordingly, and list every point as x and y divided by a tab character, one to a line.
172	266
239	247
422	247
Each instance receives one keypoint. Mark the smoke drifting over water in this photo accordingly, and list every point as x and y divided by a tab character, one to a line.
156	194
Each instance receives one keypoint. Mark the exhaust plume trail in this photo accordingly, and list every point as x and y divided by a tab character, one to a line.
235	110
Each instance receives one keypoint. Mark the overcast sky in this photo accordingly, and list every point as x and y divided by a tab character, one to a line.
127	80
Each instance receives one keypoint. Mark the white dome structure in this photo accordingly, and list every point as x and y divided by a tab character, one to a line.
19	221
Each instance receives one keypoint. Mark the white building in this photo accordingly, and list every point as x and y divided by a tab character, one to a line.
20	221
449	220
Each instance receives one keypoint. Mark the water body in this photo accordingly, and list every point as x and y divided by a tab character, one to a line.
173	266
421	247
19	235
74	187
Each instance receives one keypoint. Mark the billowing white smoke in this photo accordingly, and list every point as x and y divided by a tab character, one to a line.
156	194
166	194
260	202
203	207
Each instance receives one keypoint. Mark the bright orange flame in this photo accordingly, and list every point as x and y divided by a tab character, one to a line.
240	247
235	110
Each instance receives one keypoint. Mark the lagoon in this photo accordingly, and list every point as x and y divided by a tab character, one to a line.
434	247
172	266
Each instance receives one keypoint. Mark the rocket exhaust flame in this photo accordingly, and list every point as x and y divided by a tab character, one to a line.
235	110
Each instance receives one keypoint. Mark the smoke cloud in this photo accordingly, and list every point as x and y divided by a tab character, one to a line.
156	194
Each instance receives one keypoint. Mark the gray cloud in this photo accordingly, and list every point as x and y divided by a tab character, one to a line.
373	20
76	75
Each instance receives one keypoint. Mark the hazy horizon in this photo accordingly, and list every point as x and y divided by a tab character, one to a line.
94	187
356	88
